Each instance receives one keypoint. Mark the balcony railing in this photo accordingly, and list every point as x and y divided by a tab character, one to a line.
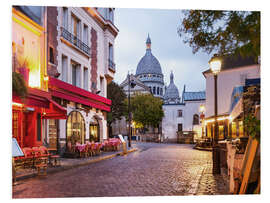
75	41
111	64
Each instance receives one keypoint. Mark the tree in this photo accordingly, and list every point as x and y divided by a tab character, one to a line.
224	32
146	110
18	85
117	95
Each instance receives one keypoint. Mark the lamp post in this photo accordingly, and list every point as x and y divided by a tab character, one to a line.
130	84
202	110
215	65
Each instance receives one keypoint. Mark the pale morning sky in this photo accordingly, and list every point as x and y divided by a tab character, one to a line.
134	26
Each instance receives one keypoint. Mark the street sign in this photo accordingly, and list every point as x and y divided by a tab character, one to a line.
121	138
16	150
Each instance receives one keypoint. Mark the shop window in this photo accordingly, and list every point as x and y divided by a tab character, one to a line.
15	127
195	119
241	129
75	129
234	134
94	134
221	132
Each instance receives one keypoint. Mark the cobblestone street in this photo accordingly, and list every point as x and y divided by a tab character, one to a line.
153	170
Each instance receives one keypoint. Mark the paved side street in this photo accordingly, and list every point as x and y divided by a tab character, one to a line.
153	170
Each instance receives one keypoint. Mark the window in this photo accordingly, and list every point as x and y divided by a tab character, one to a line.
76	75
111	15
94	131
195	119
38	127
154	90
85	34
51	57
110	52
76	27
64	68
65	18
157	90
75	129
150	89
94	85
180	127
85	78
161	91
101	85
33	12
180	113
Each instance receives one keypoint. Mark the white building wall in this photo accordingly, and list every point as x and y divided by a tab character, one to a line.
191	108
226	81
170	120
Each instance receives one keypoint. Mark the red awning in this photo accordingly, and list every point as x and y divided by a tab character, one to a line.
55	111
80	100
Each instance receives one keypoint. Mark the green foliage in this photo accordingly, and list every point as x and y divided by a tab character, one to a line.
225	32
146	110
18	85
117	95
253	126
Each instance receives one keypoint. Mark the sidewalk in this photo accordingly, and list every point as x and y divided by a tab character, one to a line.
210	184
68	163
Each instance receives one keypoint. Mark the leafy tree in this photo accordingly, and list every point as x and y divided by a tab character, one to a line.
117	95
146	110
18	85
224	32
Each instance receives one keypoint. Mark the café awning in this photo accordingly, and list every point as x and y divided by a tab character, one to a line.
55	111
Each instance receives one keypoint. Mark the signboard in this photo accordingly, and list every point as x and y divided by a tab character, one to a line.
16	150
121	138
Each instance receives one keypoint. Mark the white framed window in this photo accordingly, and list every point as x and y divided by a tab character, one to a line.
64	70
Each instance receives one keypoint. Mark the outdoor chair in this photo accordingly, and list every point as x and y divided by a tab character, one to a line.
39	158
28	160
53	159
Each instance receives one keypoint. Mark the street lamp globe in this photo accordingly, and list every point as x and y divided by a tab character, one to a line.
215	66
202	108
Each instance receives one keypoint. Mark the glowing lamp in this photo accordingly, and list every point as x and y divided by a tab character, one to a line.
202	108
215	66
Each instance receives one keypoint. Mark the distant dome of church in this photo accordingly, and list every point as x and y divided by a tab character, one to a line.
148	63
171	93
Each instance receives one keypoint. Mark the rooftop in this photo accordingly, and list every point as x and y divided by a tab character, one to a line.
194	96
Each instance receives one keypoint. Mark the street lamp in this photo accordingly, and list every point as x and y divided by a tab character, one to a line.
132	85
202	110
215	66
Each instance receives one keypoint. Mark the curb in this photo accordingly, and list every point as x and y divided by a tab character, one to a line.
203	149
64	168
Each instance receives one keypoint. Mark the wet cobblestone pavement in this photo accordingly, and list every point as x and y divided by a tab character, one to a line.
153	170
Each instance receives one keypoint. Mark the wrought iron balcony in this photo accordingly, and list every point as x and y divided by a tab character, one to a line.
75	41
111	64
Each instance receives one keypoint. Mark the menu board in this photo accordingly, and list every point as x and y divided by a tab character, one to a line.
16	150
121	138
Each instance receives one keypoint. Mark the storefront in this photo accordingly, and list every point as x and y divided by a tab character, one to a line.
223	126
75	128
86	115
